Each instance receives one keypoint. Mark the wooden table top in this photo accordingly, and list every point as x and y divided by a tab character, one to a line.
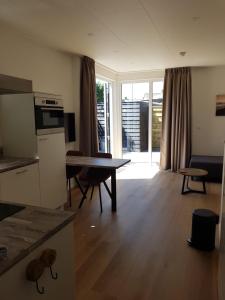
193	172
95	162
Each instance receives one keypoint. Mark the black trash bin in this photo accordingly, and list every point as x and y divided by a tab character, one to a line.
203	229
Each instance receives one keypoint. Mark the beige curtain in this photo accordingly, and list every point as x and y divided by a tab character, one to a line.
176	121
88	108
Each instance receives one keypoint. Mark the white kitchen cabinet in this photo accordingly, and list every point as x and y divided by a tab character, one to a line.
51	151
14	285
21	185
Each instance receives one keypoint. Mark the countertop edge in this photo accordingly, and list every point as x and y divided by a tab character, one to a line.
20	165
46	237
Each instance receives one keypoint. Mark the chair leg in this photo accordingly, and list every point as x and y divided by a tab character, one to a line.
79	185
92	191
100	196
107	189
84	196
69	187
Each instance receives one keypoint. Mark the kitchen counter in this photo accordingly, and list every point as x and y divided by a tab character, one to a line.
11	163
28	229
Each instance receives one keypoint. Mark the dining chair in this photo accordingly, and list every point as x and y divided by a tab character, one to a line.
94	177
72	172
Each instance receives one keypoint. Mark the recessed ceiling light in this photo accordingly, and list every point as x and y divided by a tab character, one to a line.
182	53
195	19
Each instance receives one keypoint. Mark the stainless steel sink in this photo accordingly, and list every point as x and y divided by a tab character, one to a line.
7	210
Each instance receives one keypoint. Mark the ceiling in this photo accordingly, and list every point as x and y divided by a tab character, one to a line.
126	35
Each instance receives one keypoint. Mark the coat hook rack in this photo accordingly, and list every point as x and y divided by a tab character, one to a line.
48	258
34	271
54	276
40	290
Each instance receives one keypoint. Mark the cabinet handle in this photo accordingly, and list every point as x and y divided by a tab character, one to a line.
21	172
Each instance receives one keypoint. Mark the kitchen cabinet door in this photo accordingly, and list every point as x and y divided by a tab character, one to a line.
14	285
21	185
51	151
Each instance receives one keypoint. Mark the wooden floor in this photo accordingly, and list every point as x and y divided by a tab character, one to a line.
140	253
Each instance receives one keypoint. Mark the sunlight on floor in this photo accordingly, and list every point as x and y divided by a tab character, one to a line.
142	157
138	171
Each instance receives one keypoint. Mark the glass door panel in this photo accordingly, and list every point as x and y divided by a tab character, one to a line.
135	121
103	92
157	100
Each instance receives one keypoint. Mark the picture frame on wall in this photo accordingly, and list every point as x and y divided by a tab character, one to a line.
220	105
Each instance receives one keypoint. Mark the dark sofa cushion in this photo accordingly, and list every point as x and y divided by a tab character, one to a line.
213	164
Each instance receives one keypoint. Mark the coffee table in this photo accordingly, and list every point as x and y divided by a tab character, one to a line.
193	172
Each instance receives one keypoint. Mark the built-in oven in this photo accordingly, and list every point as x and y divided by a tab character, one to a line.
49	114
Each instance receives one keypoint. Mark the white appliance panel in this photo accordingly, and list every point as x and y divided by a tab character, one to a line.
51	151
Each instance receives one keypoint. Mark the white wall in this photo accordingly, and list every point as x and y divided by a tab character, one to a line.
51	71
208	131
142	75
105	73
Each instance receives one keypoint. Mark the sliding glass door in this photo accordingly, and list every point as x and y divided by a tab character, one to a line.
156	128
103	95
141	111
135	121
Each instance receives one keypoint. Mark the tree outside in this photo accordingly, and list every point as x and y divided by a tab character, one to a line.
100	92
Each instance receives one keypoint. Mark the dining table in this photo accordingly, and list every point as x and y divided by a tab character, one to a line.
111	164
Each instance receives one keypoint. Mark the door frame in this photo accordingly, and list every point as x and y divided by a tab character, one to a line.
108	127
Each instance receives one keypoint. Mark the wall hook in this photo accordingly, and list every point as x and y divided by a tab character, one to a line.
40	290
48	258
54	276
34	271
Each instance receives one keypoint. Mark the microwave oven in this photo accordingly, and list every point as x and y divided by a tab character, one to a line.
49	114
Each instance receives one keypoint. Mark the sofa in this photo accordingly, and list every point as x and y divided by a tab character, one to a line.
213	164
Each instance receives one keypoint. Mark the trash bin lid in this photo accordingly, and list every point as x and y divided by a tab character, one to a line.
205	214
202	212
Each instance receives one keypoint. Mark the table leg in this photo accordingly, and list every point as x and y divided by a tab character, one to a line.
70	198
204	188
113	190
188	183
183	185
190	190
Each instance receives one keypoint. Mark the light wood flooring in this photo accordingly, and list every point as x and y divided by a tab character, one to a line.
140	252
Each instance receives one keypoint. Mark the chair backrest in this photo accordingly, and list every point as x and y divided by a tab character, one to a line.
103	155
99	173
72	171
74	153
